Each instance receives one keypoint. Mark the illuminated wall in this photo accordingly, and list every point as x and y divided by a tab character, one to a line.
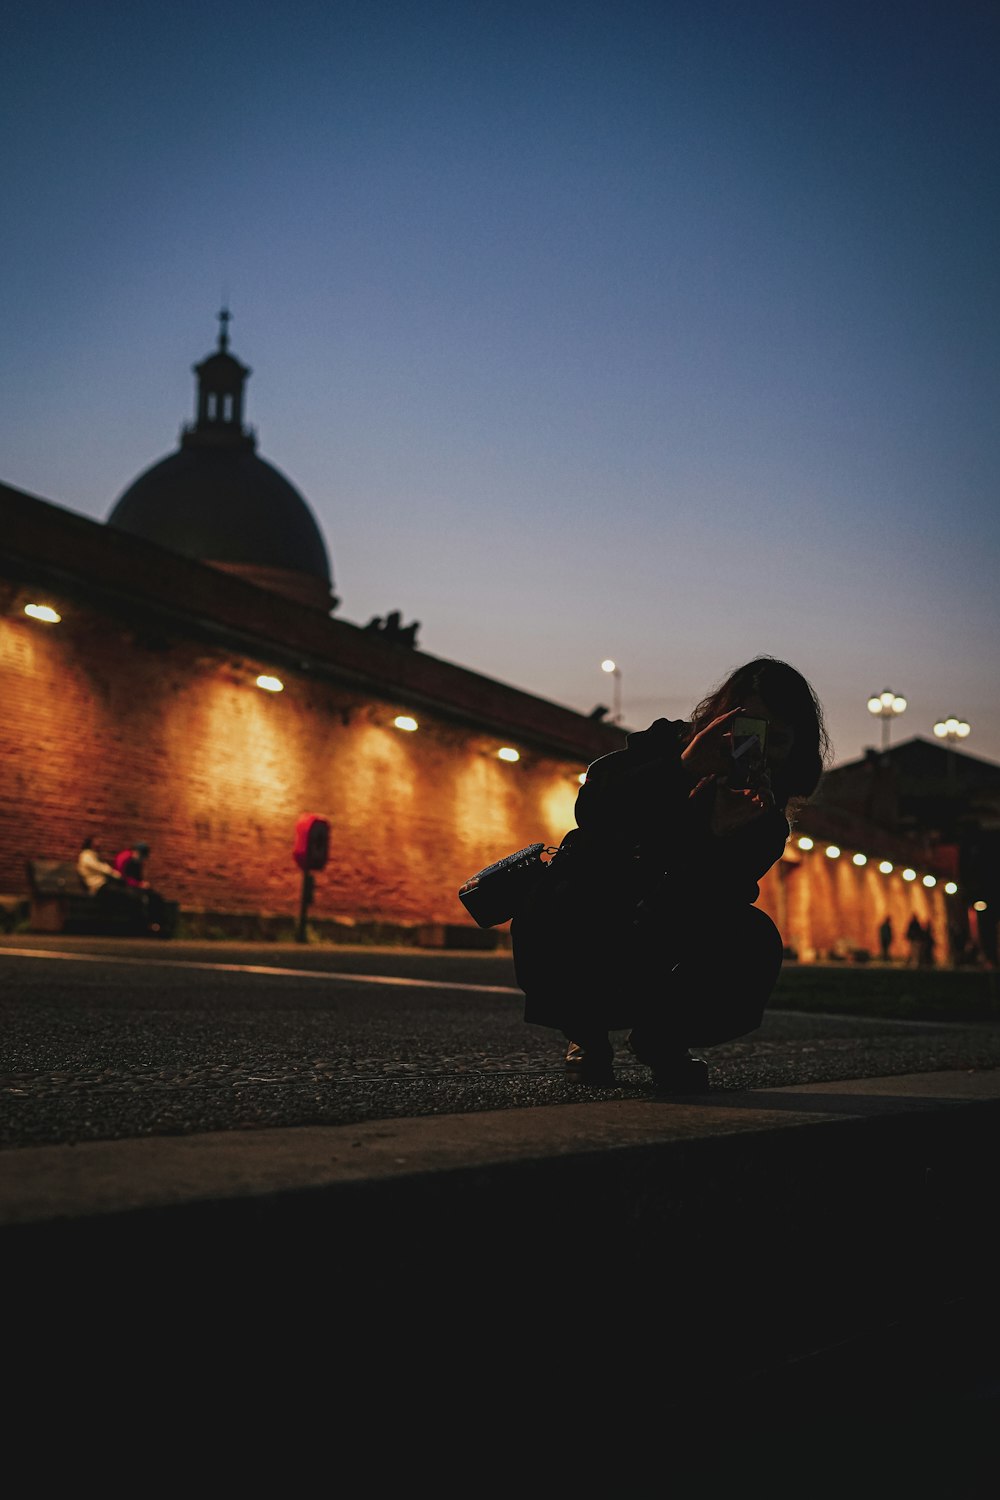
107	732
831	905
132	736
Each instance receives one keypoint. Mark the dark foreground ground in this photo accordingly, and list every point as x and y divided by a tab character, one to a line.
350	1188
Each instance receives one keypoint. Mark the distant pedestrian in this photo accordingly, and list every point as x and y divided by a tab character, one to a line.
915	938
644	918
927	947
885	939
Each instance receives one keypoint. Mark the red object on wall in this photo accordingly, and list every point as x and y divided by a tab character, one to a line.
312	842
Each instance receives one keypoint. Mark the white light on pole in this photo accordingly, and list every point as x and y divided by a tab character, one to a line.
615	671
886	706
951	729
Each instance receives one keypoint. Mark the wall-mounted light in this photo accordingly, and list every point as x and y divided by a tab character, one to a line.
403	721
930	882
859	859
43	612
886	867
950	887
582	777
832	852
270	684
805	843
979	906
507	752
909	874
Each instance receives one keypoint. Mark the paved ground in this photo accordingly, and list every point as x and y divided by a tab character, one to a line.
785	1258
112	1040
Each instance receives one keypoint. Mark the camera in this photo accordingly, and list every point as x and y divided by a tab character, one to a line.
748	743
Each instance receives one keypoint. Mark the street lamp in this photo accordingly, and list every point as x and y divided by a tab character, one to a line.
886	706
615	671
950	730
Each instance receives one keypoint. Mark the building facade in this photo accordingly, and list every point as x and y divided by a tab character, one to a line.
196	692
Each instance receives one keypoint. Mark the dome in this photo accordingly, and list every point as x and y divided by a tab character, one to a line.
223	507
217	500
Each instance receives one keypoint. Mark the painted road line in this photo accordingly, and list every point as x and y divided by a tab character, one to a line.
183	963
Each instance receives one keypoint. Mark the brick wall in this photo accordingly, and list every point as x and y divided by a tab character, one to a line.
111	731
131	735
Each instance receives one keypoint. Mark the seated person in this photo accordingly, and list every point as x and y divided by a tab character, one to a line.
104	883
130	865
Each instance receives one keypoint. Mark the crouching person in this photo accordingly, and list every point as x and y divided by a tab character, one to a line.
645	920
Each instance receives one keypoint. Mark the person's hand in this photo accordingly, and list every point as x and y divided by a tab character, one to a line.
707	755
735	807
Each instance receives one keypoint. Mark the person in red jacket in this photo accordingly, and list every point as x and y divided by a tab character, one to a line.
645	919
130	864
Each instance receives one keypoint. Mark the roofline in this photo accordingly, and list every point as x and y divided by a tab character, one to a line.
43	543
918	739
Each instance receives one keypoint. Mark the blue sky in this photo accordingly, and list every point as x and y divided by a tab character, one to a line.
666	332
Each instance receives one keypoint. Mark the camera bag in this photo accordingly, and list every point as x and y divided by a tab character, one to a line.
493	895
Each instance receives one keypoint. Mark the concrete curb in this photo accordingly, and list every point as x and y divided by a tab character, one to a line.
754	1237
58	1185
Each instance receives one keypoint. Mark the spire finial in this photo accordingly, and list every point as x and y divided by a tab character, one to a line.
224	319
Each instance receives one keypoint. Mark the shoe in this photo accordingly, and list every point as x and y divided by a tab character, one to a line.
591	1064
683	1074
674	1071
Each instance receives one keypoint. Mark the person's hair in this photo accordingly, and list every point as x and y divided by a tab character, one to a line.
789	696
88	842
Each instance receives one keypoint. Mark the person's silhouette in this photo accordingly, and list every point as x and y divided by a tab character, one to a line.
644	920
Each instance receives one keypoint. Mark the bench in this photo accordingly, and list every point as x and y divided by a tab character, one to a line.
60	903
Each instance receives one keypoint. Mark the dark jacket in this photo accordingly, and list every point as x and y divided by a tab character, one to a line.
638	884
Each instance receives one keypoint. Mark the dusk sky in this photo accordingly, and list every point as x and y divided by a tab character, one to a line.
662	332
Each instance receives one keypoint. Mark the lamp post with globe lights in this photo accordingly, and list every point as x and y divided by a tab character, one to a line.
886	706
615	671
950	730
